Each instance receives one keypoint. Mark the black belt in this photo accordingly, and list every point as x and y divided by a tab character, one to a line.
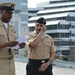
38	61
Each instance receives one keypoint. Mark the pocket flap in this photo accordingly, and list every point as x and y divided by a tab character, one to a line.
2	31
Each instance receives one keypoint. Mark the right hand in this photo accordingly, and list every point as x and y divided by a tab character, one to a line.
43	28
11	43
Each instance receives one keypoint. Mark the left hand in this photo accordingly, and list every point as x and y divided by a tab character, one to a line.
43	67
22	45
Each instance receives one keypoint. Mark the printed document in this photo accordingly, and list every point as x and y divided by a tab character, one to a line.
20	40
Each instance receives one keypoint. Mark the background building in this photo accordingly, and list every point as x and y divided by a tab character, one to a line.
33	12
60	17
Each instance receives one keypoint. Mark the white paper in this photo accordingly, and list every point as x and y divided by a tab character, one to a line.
20	40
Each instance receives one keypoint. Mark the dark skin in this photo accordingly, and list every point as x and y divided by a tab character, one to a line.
6	17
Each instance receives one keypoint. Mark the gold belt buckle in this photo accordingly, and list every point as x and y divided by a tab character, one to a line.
43	61
10	57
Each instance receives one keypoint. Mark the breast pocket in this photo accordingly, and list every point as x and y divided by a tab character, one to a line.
3	38
12	33
13	36
47	43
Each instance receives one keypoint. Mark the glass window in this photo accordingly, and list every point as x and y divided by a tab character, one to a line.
24	8
24	17
31	28
49	27
71	18
65	34
54	35
63	26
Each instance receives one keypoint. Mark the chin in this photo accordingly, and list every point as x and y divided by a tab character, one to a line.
7	21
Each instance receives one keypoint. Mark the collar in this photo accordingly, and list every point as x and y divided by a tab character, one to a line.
1	24
5	24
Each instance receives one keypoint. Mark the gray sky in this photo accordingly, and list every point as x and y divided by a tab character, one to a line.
32	3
